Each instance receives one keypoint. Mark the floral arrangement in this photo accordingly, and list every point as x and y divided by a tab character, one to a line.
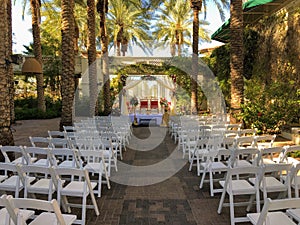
163	102
134	101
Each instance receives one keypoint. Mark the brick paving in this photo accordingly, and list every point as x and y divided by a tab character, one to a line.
176	200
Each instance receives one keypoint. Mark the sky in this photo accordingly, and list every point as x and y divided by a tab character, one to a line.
23	36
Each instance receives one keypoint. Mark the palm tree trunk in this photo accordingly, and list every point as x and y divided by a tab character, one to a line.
196	6
6	137
68	62
92	56
10	68
37	49
236	58
102	8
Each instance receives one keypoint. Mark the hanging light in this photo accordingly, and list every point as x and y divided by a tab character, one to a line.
31	66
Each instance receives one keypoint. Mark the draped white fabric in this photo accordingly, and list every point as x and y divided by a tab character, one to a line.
164	82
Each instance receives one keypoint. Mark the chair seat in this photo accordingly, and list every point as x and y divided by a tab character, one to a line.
242	163
24	213
41	186
240	187
295	213
274	218
11	183
75	188
67	164
46	218
269	161
42	162
94	167
216	166
273	185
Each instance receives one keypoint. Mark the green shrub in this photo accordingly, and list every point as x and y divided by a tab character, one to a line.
26	108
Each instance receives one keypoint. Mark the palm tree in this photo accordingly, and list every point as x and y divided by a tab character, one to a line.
68	62
35	6
102	9
132	28
174	26
196	5
6	137
91	22
236	58
10	74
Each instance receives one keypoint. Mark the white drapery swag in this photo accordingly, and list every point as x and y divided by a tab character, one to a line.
166	83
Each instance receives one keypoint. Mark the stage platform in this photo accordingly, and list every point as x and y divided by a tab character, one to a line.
147	118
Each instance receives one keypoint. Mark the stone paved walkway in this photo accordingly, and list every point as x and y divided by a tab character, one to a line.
176	200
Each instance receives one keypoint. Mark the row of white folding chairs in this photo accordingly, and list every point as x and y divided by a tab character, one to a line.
21	210
118	139
48	180
193	145
93	161
262	179
208	161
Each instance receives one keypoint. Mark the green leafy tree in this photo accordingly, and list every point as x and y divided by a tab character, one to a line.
173	26
129	30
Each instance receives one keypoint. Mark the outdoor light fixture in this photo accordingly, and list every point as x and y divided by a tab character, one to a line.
31	66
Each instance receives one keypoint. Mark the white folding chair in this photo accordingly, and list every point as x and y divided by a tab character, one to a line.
64	158
76	188
272	212
244	157
56	134
42	155
198	155
13	151
10	217
272	181
94	163
212	166
41	185
59	143
295	179
39	141
12	183
240	187
271	155
50	215
264	141
289	150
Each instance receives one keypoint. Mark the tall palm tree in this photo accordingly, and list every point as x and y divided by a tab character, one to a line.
10	74
196	5
6	137
68	62
91	22
236	58
102	9
174	26
130	29
35	6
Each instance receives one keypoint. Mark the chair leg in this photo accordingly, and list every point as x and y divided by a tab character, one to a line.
231	203
221	201
211	184
94	203
203	178
83	210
